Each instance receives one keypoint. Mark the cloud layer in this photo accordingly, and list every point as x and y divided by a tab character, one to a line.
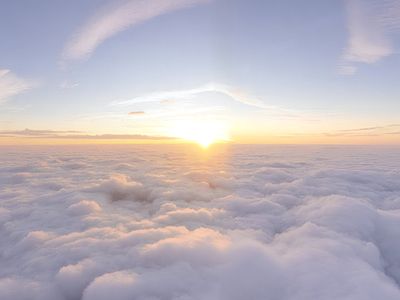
175	222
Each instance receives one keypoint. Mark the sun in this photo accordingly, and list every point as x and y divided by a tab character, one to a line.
204	133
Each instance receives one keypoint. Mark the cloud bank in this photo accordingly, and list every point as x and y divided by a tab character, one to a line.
114	18
370	24
368	131
241	222
71	134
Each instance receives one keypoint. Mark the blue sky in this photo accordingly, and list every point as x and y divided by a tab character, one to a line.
274	70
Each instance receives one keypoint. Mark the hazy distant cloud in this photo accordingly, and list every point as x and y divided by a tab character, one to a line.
50	134
67	85
367	131
118	137
375	131
30	132
116	17
370	23
11	84
133	113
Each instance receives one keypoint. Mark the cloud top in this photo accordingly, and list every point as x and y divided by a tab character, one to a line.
242	222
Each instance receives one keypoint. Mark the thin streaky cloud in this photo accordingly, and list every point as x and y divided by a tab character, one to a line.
366	131
133	113
72	134
114	137
188	94
67	85
30	132
176	95
114	18
157	114
390	129
234	93
11	84
370	24
385	127
187	112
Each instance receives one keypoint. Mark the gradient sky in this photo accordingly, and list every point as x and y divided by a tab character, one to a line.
255	71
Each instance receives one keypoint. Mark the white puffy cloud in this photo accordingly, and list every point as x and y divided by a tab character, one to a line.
83	208
241	222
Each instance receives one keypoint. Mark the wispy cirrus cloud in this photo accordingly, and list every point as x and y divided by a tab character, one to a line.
114	18
30	132
367	131
374	131
370	24
234	93
11	84
67	85
179	95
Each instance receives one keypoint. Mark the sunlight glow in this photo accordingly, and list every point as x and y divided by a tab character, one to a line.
204	133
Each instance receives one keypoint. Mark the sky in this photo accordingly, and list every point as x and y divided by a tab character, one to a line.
230	70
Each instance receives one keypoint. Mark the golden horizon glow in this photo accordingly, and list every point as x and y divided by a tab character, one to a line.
203	133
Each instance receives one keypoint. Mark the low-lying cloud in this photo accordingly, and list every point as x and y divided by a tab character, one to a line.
173	222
